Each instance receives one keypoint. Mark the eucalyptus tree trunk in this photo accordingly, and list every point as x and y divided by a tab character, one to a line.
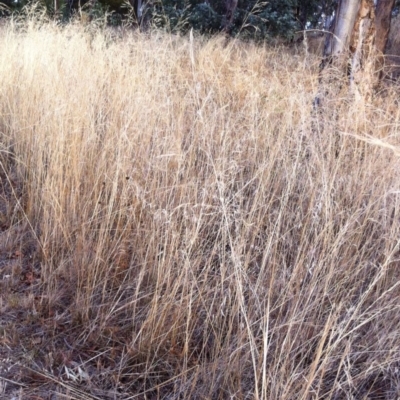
70	7
230	6
139	10
363	55
358	40
383	14
344	25
137	6
337	56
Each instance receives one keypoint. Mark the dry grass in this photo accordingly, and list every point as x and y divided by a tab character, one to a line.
178	223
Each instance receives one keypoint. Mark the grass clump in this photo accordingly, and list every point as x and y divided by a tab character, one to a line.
191	228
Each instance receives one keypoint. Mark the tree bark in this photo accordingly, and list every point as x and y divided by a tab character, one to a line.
139	10
337	51
230	6
383	16
345	21
358	41
362	48
137	6
70	7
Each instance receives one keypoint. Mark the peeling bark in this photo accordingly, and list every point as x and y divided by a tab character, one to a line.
362	48
358	42
383	16
346	17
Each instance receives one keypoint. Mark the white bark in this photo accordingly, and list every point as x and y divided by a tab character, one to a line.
345	20
358	38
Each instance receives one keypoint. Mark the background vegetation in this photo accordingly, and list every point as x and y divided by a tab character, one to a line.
178	222
252	18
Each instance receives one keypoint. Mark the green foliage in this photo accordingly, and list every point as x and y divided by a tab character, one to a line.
253	19
166	14
266	19
204	18
180	16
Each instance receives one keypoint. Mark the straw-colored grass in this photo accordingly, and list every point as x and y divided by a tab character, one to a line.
179	223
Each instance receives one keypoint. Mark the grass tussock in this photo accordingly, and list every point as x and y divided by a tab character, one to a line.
185	226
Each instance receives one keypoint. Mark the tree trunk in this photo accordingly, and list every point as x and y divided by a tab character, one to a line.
344	26
69	8
137	6
139	10
358	38
337	51
383	16
230	6
363	62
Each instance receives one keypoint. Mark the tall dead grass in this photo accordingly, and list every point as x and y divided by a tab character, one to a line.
201	231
